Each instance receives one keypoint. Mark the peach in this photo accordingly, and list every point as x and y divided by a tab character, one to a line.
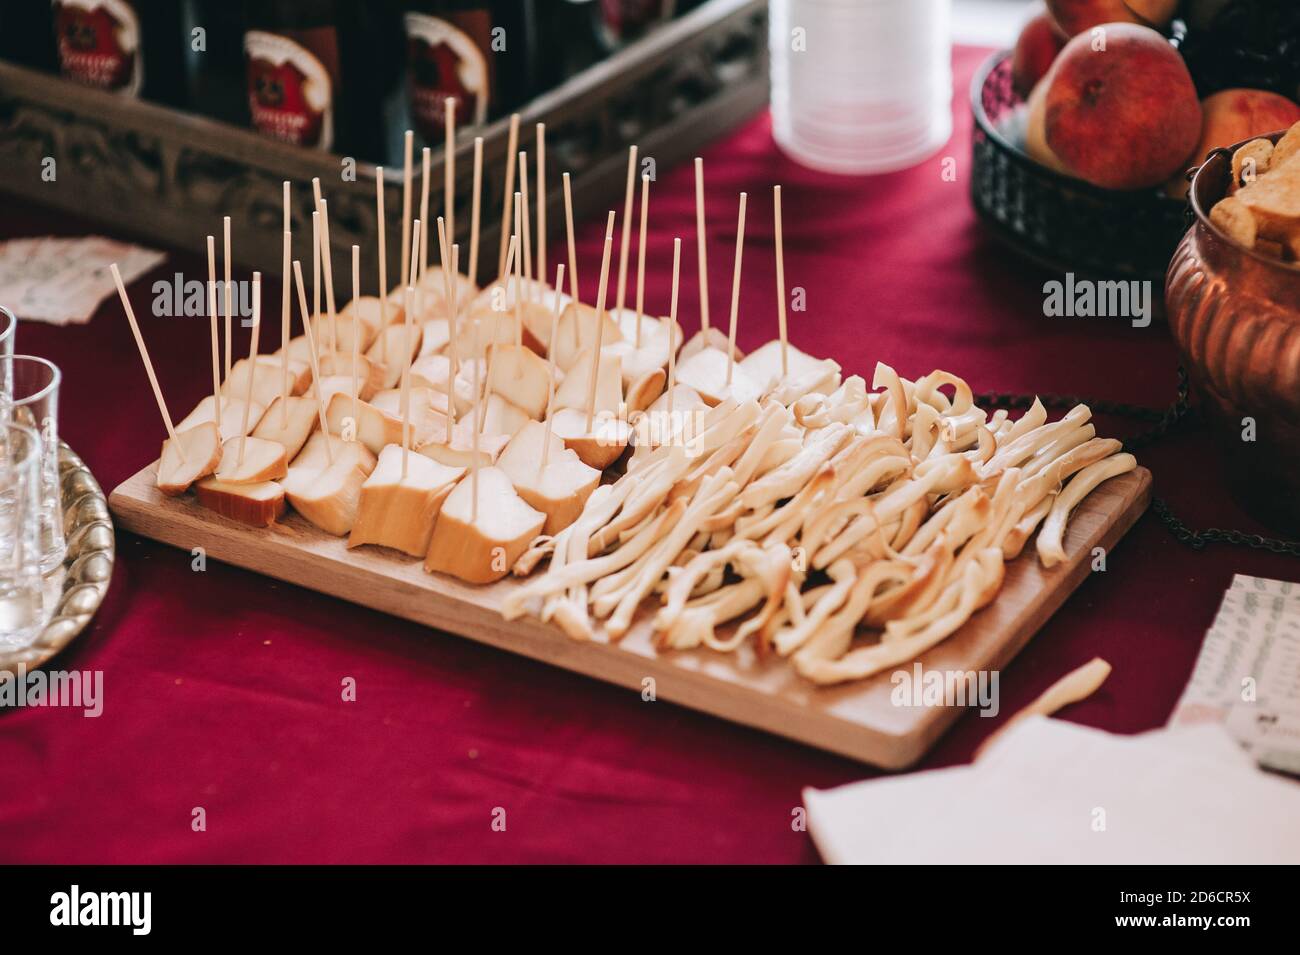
1075	16
1231	116
1035	49
1124	116
1036	133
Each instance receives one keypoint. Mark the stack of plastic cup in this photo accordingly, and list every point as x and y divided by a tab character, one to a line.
861	86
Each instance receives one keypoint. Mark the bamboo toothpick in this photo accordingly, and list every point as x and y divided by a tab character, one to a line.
518	274
451	322
573	258
411	293
735	288
356	332
600	320
640	262
474	428
541	203
475	203
407	155
315	262
426	158
624	246
780	283
311	354
702	244
521	202
383	265
286	256
550	374
509	191
449	167
216	338
672	318
327	263
252	364
225	248
144	356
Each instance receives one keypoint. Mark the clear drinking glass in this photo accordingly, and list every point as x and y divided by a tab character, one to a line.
21	612
36	405
861	86
8	332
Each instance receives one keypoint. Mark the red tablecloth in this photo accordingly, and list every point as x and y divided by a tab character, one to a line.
223	689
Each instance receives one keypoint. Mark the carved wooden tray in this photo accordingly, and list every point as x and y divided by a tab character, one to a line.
857	720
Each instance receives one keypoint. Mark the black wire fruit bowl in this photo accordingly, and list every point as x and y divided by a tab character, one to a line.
1061	223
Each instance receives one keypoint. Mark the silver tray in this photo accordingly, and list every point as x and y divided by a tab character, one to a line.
76	590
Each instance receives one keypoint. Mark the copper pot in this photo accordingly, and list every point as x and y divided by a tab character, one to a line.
1235	315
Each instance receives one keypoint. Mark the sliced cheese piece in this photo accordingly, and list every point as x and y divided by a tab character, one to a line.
257	505
602	445
261	461
561	488
576	332
370	426
288	423
706	372
268	380
198	455
483	528
517	374
399	511
572	392
328	494
232	416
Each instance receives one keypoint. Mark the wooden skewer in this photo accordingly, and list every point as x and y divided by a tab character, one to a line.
327	264
383	265
550	379
541	203
640	263
735	288
521	201
408	150
600	320
473	455
573	257
672	317
356	336
229	287
520	235
702	243
624	246
508	194
412	291
780	283
144	355
252	363
451	325
311	354
216	338
287	255
426	157
475	202
315	263
449	168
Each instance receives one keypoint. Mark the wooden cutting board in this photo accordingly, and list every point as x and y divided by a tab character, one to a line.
856	720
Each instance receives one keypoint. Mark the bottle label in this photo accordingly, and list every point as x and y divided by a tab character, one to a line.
445	60
290	92
99	44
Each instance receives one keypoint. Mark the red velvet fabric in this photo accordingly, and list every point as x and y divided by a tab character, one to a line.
223	689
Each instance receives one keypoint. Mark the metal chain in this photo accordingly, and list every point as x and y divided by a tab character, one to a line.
1162	423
